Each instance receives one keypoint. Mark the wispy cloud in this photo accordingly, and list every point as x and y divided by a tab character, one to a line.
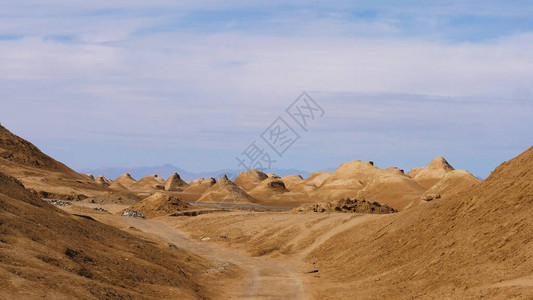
211	75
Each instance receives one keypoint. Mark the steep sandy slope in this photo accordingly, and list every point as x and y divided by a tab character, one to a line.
46	253
476	244
432	173
159	204
225	191
17	150
452	183
175	183
248	180
36	170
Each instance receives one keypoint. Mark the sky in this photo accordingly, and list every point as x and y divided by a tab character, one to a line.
123	83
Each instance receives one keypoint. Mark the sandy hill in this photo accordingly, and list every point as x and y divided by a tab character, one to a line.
451	183
175	183
476	244
21	152
311	183
363	180
268	188
117	186
48	254
247	180
272	175
125	180
225	191
200	185
147	183
392	188
22	160
291	181
101	180
159	204
430	174
346	181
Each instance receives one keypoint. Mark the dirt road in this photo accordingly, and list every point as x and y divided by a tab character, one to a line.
265	279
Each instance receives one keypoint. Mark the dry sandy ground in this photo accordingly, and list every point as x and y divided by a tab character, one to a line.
262	278
272	248
281	237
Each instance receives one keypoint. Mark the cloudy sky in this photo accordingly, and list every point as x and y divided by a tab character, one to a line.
117	83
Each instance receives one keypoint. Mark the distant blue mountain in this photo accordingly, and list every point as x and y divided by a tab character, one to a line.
166	170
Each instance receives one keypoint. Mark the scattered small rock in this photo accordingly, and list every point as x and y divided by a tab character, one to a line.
133	214
205	238
58	202
313	271
101	209
347	206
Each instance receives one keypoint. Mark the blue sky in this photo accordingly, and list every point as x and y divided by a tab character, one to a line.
115	83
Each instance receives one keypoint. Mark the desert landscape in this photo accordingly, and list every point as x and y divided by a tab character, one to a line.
320	150
358	232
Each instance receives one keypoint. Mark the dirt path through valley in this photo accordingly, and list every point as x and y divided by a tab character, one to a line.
265	279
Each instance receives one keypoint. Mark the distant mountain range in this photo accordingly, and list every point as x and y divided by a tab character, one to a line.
166	170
